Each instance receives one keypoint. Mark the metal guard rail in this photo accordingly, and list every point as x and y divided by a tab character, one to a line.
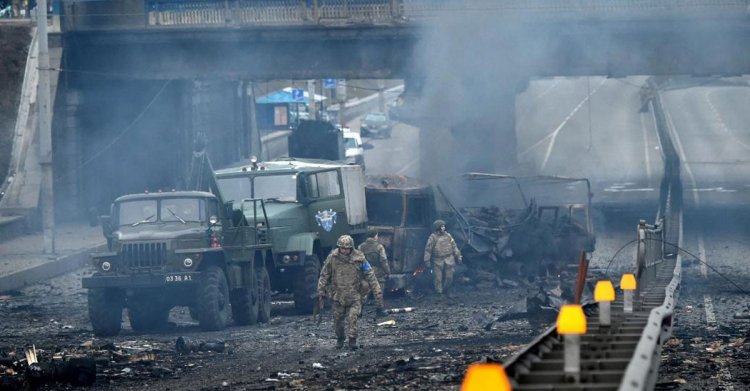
149	14
643	370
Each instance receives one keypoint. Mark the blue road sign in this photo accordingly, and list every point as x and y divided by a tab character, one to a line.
329	83
298	94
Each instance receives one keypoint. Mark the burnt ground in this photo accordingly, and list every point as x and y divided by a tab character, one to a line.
14	45
710	344
704	355
425	349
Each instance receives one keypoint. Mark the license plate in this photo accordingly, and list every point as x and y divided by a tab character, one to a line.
178	278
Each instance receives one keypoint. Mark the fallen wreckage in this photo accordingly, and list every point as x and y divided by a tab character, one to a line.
507	227
538	238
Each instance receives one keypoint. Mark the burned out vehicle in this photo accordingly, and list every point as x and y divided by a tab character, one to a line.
530	226
180	248
402	209
308	204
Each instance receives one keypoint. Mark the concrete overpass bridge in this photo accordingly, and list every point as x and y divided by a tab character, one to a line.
183	68
139	79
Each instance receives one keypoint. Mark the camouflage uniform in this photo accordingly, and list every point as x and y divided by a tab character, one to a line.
375	255
442	251
345	274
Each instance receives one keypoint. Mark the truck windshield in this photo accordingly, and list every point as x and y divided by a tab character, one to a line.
385	208
139	212
181	209
267	187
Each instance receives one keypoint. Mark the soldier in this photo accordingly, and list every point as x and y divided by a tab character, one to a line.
344	270
375	255
442	251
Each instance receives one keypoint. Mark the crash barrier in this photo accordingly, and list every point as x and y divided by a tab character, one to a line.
104	14
625	354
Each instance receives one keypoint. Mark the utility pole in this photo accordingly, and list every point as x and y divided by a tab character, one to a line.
312	105
341	96
381	95
255	145
45	130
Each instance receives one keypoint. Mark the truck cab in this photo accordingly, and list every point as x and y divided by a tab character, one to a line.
402	210
309	203
179	248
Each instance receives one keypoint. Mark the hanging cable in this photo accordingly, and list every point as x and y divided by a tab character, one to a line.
606	272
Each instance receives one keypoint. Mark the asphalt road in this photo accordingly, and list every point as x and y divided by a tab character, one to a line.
708	351
713	140
593	128
398	154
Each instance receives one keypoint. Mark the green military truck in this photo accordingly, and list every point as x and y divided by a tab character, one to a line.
309	204
182	248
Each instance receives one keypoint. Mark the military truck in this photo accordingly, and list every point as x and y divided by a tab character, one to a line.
182	248
309	204
402	210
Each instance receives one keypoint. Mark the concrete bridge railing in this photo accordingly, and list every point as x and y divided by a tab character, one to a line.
150	14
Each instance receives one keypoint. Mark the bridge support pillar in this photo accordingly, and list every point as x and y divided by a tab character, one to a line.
218	114
67	155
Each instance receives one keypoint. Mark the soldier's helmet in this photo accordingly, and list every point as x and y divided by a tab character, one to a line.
437	224
345	241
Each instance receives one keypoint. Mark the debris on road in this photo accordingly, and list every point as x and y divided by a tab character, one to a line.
399	310
190	345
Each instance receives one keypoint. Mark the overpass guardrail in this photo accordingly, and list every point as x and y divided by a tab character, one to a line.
156	14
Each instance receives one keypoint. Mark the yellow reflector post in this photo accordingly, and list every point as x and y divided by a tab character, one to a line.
627	282
480	377
571	320
604	291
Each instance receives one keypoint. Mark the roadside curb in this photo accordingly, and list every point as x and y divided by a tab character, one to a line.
47	270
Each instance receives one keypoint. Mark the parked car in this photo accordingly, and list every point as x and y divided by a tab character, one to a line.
376	125
355	153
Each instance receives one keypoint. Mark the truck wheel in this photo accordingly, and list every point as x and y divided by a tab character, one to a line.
264	294
245	304
306	285
213	300
147	315
105	311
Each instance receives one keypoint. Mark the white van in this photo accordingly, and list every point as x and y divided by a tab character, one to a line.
355	153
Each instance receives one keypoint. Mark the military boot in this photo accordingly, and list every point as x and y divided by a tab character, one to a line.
340	343
353	343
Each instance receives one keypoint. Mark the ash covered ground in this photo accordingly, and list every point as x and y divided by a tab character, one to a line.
427	349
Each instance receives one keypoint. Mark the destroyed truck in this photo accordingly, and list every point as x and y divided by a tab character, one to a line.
181	248
522	226
309	204
402	210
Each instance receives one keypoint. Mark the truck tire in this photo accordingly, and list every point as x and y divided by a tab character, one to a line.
264	294
148	315
245	304
213	300
306	285
105	311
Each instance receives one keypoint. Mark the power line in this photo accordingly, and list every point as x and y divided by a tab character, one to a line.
606	272
121	134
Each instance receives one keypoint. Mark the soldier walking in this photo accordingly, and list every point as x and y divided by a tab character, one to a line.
375	255
344	270
442	252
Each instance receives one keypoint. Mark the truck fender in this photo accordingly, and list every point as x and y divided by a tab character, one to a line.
206	255
302	242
